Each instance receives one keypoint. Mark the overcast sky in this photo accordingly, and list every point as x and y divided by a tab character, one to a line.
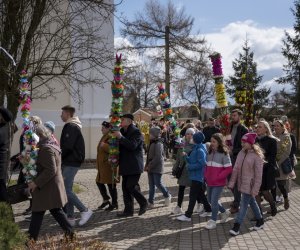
226	23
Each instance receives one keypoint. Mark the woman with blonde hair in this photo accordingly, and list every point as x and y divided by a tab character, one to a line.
284	145
269	144
247	174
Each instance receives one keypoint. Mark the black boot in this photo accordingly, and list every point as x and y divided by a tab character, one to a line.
259	224
235	230
111	207
273	209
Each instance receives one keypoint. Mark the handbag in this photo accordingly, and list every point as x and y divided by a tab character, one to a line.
177	171
17	193
286	166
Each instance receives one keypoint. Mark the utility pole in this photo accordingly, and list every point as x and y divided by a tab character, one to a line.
167	61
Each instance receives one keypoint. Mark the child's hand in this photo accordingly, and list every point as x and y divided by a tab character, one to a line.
146	168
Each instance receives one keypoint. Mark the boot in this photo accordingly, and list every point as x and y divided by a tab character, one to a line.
286	203
273	209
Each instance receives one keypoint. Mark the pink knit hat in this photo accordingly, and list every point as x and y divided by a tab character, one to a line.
249	137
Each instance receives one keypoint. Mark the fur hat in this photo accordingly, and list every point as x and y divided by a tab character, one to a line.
249	138
155	132
198	138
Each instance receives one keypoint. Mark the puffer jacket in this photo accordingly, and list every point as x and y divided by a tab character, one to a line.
247	172
196	162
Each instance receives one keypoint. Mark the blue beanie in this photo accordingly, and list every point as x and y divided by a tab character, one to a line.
198	138
50	125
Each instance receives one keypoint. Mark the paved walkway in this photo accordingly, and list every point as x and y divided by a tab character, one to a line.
158	229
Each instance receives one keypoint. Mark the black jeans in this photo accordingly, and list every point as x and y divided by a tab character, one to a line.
131	189
197	192
112	188
37	219
181	196
3	191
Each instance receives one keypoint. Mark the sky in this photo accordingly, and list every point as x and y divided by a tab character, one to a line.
226	23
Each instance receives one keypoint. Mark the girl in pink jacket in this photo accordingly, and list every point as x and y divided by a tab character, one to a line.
247	173
217	169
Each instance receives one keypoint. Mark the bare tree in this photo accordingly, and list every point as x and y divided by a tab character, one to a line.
166	28
196	86
55	40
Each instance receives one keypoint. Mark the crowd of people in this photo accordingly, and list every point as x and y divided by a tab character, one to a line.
254	163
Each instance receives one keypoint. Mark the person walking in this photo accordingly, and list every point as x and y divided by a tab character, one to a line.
47	188
131	165
237	131
105	173
210	129
196	162
247	175
155	167
217	169
73	154
269	144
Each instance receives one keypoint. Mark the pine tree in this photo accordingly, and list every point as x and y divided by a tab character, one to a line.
245	85
291	51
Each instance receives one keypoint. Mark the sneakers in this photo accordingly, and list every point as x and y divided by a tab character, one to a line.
235	230
211	224
259	224
279	199
72	221
104	204
150	205
183	218
205	214
168	200
85	216
177	211
224	216
143	209
200	208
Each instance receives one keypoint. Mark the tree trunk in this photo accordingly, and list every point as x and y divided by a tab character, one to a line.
298	109
167	61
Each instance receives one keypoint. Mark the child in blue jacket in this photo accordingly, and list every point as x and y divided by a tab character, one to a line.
196	162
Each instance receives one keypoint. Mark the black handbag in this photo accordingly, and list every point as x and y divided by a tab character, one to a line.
286	166
177	171
17	193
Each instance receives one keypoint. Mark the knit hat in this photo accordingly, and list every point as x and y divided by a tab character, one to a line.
198	138
106	124
50	125
249	138
190	131
155	132
6	114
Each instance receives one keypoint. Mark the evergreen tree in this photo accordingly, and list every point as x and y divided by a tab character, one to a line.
246	82
291	52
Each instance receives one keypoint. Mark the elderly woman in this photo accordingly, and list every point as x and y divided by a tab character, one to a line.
284	146
47	188
105	173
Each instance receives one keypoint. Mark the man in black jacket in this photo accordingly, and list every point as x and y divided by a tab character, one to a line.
237	131
73	154
210	129
131	165
5	118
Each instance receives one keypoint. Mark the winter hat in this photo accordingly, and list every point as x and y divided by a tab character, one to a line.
249	138
6	114
50	125
190	131
106	124
155	132
198	137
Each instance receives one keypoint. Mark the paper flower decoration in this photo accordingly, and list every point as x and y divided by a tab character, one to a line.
117	89
30	139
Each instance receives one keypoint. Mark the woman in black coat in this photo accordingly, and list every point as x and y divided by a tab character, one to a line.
269	144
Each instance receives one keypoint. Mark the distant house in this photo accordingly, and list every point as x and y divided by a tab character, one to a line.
144	114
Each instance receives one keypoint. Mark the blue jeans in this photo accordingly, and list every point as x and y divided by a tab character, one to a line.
69	173
155	180
213	194
245	201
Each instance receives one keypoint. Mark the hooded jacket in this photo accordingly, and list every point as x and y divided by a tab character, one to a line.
72	143
196	162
